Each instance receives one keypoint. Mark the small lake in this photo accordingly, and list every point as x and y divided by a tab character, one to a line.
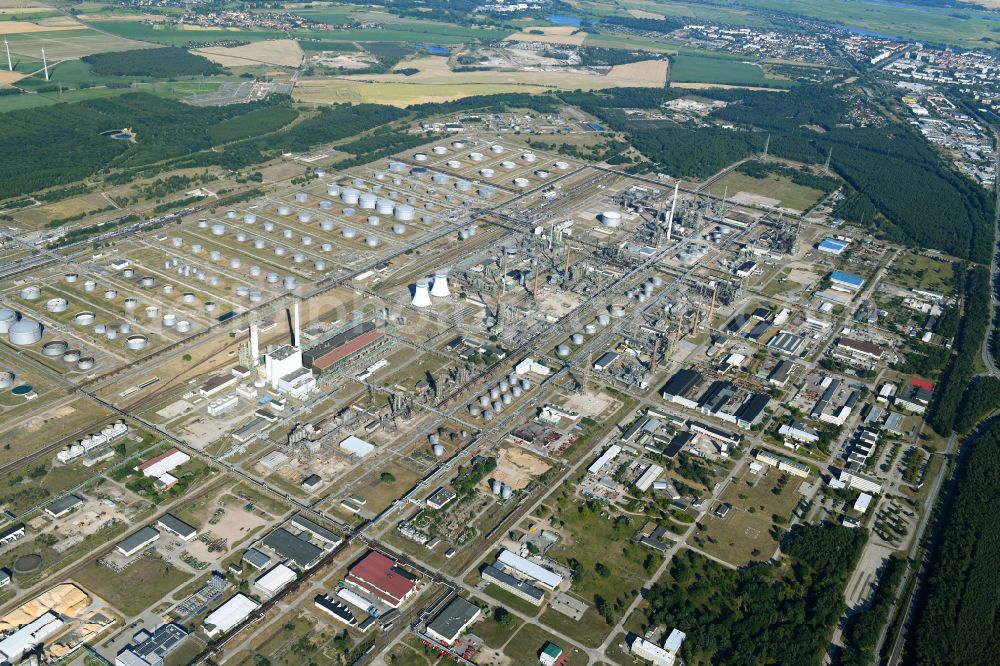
566	20
433	49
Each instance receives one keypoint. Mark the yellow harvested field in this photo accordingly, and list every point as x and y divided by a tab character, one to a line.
435	70
7	78
641	13
722	86
25	27
333	91
557	34
122	17
435	82
283	52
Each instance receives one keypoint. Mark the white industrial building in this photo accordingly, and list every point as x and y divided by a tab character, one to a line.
651	474
547	579
274	581
298	383
28	637
107	435
222	404
164	463
652	652
357	446
605	458
280	363
229	615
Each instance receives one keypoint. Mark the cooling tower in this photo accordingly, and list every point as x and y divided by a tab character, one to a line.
440	288
421	295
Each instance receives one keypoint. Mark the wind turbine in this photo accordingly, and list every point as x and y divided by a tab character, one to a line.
6	46
45	65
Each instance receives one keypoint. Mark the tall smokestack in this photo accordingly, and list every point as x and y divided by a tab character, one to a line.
254	344
296	339
673	207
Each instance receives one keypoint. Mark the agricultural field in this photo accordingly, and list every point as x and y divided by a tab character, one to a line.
64	44
282	52
709	70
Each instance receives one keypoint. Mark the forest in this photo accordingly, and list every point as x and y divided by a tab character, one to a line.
161	63
764	613
956	616
953	387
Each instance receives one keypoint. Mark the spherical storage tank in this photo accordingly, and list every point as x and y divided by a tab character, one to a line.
24	332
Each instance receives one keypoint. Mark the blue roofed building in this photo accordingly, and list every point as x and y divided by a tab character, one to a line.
833	246
847	281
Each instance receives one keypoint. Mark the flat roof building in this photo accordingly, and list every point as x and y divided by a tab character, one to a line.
544	577
28	637
516	586
833	246
275	580
166	462
256	558
338	611
229	615
303	554
62	506
451	622
380	576
604	459
138	541
846	280
152	648
176	526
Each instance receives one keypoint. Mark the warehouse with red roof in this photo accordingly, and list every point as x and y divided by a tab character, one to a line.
381	577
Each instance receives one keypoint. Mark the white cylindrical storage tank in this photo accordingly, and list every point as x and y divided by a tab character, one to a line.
616	310
241	237
384	206
521	182
31	293
349	232
529	157
196	248
298	258
56	305
250	218
476	157
562	166
374	220
603	319
218	230
541	173
496	486
280	251
463	185
496	149
305	217
372	241
169	319
214	255
89	285
85	318
439	150
488	415
319	265
183	326
506	492
255	271
333	191
55	348
326	224
350	196
458	145
516	391
287	233
487	192
420	157
111	333
589	329
611	219
507	164
255	296
453	164
168	289
131	303
441	178
269	227
399	229
325	204
203	224
403	213
6	379
438	450
301	197
71	356
147	281
272	278
563	350
136	342
577	339
235	262
259	243
151	311
188	297
289	282
24	332
71	277
85	363
487	173
284	211
494	393
484	401
307	240
367	201
210	306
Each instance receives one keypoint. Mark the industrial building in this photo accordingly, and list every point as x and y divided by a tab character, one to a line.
858	350
138	541
316	531
451	622
511	561
381	576
256	558
275	580
174	525
519	588
229	615
793	467
846	281
604	459
164	463
11	534
150	649
832	246
356	446
682	388
287	546
63	506
335	609
346	344
30	636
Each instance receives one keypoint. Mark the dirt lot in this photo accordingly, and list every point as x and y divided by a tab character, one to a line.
557	34
23	27
516	467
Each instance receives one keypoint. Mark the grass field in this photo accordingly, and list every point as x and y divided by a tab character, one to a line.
398	94
172	36
699	69
143	584
66	45
780	188
527	643
922	272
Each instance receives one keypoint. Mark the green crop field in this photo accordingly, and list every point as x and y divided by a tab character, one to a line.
688	68
788	193
171	36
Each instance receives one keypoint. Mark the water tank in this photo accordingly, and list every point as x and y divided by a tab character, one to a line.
31	293
350	196
611	219
183	326
24	332
563	350
284	210
71	277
